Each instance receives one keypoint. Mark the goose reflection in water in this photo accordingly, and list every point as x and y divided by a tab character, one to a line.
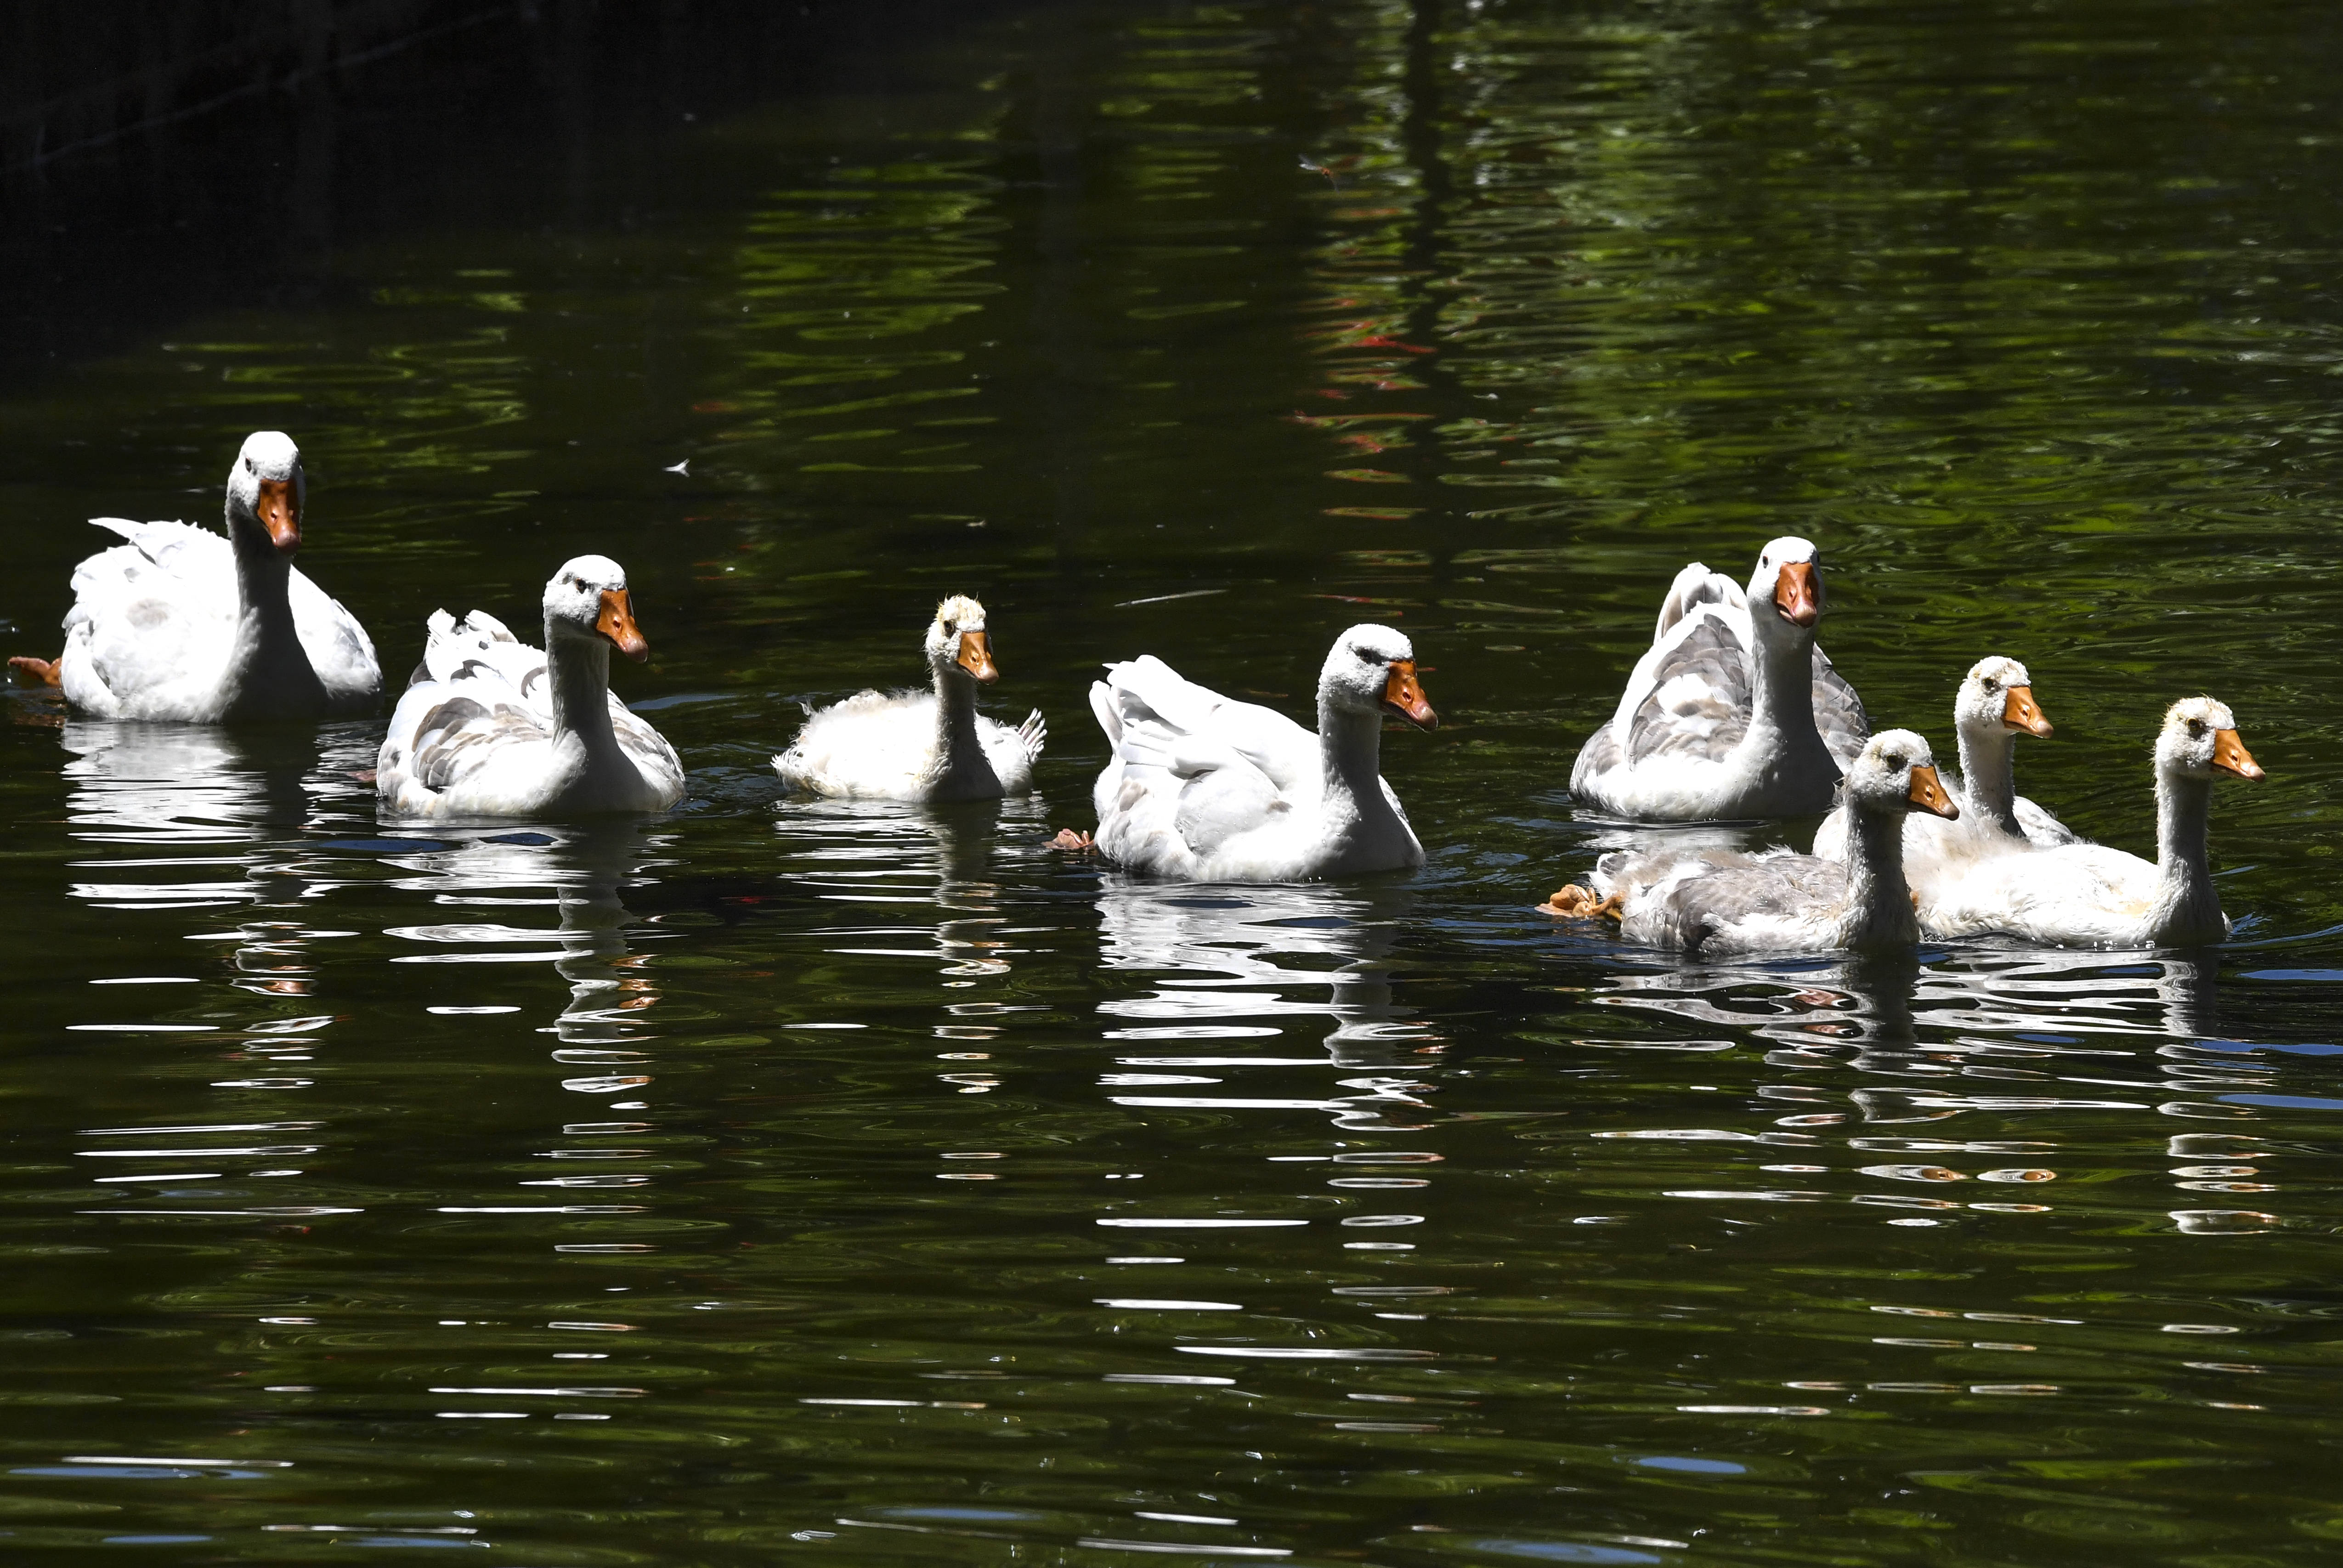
890	859
578	872
1238	963
186	816
2020	1034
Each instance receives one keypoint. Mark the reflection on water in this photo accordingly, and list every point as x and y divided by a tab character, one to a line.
1224	961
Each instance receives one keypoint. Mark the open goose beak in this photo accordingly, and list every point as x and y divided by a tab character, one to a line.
1404	696
1798	593
2230	756
2020	711
617	622
280	514
976	656
1928	794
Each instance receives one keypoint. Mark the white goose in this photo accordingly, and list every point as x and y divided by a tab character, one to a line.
1732	712
490	727
1202	788
921	745
2086	895
180	623
1994	707
1712	902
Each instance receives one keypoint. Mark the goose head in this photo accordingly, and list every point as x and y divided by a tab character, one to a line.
1371	669
1786	591
588	602
1897	773
265	492
2200	740
957	641
1997	699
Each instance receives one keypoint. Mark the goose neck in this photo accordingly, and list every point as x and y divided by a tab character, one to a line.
578	668
956	737
1989	776
1350	748
2186	903
1877	894
1782	700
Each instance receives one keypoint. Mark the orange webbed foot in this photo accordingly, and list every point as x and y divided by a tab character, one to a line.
30	671
1576	903
1074	843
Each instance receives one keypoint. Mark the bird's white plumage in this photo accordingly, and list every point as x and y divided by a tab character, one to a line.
920	745
1731	713
1202	787
1995	819
2088	895
179	624
493	728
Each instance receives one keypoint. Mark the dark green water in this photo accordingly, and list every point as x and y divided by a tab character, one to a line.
874	1185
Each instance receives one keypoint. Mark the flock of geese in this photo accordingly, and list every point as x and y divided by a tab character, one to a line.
1733	714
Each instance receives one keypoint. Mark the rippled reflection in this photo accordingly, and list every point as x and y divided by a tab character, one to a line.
1254	964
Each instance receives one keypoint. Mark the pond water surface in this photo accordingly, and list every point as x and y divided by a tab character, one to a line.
780	1180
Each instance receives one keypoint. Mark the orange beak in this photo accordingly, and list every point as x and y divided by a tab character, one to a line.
280	514
1798	594
1404	696
2230	756
617	622
2020	711
976	656
1928	794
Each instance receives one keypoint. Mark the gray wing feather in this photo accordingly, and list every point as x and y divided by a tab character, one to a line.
460	733
1699	705
1838	713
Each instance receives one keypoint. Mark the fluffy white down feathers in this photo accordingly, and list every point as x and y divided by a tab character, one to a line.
914	745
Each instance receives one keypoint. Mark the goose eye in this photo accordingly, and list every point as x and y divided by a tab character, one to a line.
2196	727
1367	656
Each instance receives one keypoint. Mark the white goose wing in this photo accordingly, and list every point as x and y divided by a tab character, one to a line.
149	616
2042	830
1845	727
479	695
647	749
1191	769
1013	752
1261	737
338	647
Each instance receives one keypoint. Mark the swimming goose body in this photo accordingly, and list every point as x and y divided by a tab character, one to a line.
1713	901
492	728
1732	712
1204	789
2089	895
1994	706
181	624
921	745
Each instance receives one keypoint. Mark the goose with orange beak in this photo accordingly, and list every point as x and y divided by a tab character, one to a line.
183	625
1708	903
1995	706
2086	895
1732	712
921	745
492	728
1206	789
